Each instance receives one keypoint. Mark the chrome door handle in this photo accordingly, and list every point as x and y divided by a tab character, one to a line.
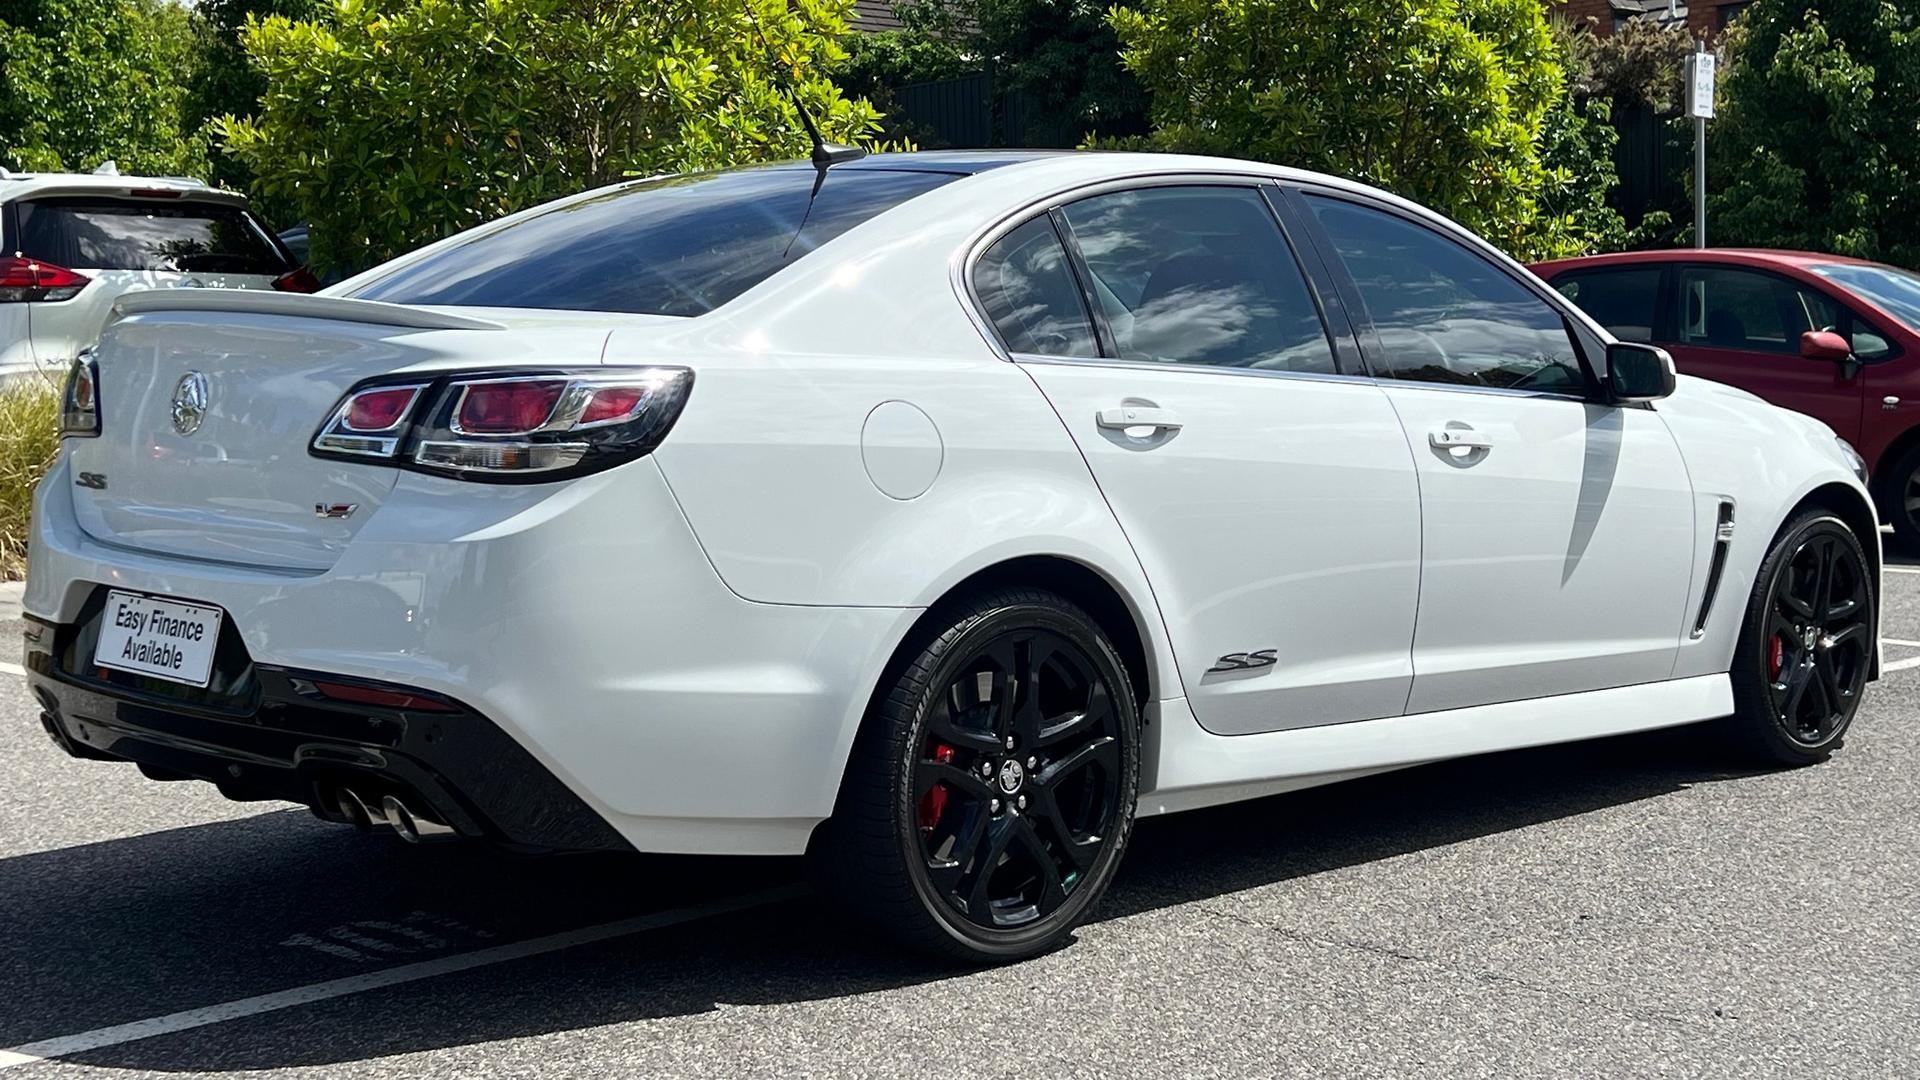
1132	416
1449	438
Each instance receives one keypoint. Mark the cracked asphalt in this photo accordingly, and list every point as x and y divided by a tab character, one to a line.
1628	907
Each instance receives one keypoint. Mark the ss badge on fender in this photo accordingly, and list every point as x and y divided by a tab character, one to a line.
94	480
1244	661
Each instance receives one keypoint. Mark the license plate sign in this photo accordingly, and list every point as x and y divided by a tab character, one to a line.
167	639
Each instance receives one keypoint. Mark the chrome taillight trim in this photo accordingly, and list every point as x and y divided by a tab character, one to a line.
339	437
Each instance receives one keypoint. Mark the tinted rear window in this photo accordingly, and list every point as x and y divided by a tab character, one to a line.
673	246
95	233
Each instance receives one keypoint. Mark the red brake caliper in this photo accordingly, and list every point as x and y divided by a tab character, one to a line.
934	802
1776	657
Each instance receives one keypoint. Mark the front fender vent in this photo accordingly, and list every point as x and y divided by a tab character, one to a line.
1722	542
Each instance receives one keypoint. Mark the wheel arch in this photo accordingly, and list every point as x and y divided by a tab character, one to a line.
1129	622
1880	468
1860	515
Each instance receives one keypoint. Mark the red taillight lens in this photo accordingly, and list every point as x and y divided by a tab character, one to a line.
613	403
298	280
516	407
378	410
369	423
514	427
30	280
381	696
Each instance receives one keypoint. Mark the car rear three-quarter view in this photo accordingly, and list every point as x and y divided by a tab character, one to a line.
932	515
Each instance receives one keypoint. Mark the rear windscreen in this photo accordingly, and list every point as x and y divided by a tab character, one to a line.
96	233
675	246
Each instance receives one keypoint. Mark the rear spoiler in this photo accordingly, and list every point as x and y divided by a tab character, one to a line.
296	305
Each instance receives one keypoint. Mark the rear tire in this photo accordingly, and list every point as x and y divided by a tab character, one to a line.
990	793
1806	645
1898	492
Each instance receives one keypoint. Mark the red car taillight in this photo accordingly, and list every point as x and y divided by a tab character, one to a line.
80	398
299	279
31	281
523	426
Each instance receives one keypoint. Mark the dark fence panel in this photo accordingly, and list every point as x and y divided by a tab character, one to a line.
953	113
1652	158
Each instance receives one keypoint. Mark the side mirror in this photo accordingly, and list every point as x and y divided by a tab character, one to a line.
1825	345
1638	373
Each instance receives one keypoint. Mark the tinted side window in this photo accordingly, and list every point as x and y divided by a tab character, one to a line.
679	245
1028	290
175	235
1442	313
1199	275
1726	308
1623	301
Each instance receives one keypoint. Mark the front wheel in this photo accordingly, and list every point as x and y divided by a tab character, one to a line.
1898	493
1807	644
989	797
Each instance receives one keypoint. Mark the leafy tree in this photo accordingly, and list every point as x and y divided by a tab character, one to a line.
86	80
1638	64
225	83
933	42
1442	101
401	121
1816	144
1061	61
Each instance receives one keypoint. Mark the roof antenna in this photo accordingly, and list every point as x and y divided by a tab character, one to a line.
825	154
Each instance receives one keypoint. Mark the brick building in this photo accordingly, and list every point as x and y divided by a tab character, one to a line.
1705	18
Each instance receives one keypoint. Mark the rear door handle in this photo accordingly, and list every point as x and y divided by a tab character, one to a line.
1132	416
1448	438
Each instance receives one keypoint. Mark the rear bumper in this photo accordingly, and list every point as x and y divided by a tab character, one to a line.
283	739
581	622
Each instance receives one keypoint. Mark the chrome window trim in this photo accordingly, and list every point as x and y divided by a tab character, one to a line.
1177	366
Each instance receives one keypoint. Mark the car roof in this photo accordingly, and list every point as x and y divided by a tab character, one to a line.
15	185
956	162
1729	256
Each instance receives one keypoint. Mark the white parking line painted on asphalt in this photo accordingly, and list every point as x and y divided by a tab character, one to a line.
99	1038
1901	665
12	669
1901	569
1900	641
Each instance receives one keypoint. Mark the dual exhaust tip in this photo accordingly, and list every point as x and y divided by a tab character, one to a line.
390	810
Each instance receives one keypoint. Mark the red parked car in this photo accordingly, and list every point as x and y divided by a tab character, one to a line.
1832	337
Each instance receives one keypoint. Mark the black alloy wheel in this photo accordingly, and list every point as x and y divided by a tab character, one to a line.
1016	785
990	797
1808	643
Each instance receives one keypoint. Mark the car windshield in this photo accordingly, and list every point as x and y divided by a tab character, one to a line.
679	245
1896	290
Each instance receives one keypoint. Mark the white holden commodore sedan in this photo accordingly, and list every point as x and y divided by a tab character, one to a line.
935	515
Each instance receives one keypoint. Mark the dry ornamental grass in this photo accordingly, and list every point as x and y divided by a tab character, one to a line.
29	438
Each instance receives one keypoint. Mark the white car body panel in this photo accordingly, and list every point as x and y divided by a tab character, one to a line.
1284	514
690	641
1529	543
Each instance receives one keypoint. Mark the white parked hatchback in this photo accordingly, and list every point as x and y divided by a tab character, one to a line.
73	243
935	514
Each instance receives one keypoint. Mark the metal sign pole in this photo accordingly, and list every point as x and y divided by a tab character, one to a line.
1700	106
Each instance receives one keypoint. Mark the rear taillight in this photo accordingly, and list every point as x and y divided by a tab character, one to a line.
524	426
297	280
80	398
31	281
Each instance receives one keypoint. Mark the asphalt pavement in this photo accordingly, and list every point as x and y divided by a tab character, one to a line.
1627	907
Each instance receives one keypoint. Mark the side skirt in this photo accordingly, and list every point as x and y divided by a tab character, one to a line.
1192	767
